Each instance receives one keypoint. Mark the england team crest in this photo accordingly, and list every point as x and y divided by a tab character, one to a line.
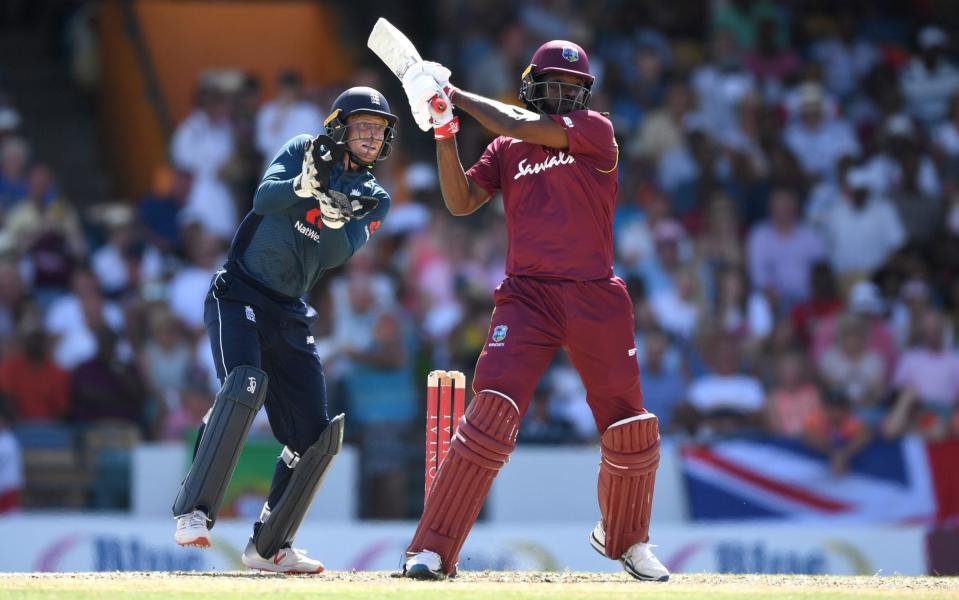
570	54
499	333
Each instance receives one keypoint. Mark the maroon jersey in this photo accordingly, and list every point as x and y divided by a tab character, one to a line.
559	203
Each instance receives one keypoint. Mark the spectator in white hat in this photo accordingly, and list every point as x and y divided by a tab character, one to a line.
863	229
902	165
202	144
286	116
910	179
816	140
930	79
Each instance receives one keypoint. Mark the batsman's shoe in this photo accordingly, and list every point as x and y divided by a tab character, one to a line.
639	560
286	560
424	565
192	530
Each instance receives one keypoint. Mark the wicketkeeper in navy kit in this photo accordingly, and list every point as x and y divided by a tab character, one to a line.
317	204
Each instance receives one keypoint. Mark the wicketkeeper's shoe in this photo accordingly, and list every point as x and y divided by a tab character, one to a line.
638	560
424	565
192	530
286	560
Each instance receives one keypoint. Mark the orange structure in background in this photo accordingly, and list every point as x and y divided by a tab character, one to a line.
184	39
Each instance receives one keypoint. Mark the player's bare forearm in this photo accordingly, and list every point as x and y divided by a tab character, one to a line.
512	121
460	194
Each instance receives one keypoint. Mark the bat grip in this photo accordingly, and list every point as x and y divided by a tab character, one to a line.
438	104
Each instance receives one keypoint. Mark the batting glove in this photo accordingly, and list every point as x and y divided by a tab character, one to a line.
445	123
420	88
441	75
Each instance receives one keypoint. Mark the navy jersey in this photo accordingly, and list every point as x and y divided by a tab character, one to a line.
282	242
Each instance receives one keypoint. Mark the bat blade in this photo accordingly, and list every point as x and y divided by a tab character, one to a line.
393	48
397	52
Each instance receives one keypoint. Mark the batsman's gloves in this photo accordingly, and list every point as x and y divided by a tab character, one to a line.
337	209
441	75
420	88
445	123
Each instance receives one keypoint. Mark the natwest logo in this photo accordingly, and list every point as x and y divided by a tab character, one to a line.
307	231
560	159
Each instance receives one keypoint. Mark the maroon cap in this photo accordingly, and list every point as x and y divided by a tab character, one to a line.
560	56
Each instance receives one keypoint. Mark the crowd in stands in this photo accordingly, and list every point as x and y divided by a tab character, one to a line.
787	225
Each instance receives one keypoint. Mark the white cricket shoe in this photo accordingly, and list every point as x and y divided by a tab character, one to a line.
286	560
638	560
192	530
424	565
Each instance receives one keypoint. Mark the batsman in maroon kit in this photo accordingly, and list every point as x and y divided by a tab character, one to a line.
556	166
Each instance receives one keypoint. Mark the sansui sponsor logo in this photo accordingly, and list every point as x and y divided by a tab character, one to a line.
560	159
310	233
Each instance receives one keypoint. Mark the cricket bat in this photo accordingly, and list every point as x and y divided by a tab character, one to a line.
397	52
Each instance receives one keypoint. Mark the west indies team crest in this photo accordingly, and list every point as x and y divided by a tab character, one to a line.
499	333
570	54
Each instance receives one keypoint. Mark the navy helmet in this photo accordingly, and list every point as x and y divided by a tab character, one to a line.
361	100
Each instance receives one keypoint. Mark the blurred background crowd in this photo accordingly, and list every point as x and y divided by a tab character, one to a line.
787	225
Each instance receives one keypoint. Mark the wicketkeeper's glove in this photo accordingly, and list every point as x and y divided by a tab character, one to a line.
319	157
337	209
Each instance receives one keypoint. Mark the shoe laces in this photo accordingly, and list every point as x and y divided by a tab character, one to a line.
644	550
197	518
430	559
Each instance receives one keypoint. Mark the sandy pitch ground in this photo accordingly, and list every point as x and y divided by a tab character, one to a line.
511	584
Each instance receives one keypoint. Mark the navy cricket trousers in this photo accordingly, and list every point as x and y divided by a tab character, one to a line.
249	327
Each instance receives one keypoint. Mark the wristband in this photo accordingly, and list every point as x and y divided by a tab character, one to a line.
450	90
445	132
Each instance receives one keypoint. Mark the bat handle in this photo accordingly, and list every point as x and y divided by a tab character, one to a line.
438	104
